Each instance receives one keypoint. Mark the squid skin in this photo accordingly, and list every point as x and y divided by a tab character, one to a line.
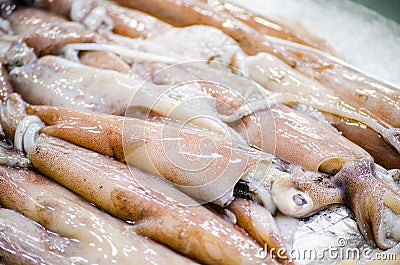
105	134
349	84
375	202
300	139
127	22
24	242
382	152
39	83
159	211
265	25
104	60
47	33
102	238
289	134
258	222
207	172
135	24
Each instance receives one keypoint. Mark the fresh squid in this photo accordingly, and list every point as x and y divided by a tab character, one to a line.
272	129
112	136
280	78
133	23
165	149
375	201
283	74
348	83
91	91
102	238
22	241
39	82
272	74
47	33
158	210
288	79
120	20
290	192
85	94
265	25
321	158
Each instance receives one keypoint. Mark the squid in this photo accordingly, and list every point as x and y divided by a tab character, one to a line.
201	163
339	165
133	23
321	159
157	209
115	149
22	241
260	67
120	20
277	77
298	202
91	91
85	94
374	201
39	82
47	33
335	162
280	77
350	85
272	129
383	153
299	194
102	238
267	26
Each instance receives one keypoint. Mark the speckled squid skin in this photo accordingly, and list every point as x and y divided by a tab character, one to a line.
135	24
300	139
158	210
258	222
47	33
104	60
314	187
102	238
127	22
382	152
191	12
204	164
17	236
350	85
368	196
267	26
81	87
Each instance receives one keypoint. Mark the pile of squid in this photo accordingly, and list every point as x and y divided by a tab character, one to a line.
173	132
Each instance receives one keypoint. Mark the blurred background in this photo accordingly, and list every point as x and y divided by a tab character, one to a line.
388	8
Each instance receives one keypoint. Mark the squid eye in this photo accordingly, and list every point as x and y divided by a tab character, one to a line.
299	199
